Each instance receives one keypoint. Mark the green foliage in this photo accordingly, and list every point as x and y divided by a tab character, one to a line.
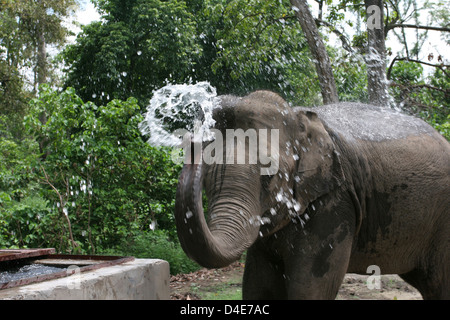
258	25
350	74
237	47
440	13
139	46
405	72
440	124
261	46
12	97
98	173
429	97
21	222
21	206
157	244
25	28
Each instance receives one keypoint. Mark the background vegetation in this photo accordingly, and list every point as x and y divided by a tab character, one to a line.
75	173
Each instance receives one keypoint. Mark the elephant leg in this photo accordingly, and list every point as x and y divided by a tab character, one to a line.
263	276
430	290
319	254
318	276
432	273
430	285
432	281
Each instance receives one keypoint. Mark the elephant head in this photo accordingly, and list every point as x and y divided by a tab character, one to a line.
243	202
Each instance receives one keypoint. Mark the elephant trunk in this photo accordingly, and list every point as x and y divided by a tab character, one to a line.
233	214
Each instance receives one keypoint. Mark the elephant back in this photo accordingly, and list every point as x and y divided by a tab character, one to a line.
371	123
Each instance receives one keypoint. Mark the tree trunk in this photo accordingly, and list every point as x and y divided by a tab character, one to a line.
41	65
376	54
317	47
41	78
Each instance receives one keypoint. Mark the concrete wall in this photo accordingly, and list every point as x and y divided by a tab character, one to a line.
141	279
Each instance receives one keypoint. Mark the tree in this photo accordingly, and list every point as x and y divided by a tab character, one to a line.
323	65
414	90
210	47
26	28
39	23
260	46
137	47
13	98
21	206
238	46
440	13
376	53
103	181
13	56
396	16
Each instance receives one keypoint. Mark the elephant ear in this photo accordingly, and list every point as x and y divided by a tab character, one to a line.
319	169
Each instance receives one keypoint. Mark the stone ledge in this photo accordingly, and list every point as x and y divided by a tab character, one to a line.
140	279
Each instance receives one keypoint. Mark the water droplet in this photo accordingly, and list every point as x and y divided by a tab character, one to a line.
83	186
302	222
189	214
152	225
279	197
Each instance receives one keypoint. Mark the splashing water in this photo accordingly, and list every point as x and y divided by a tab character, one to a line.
175	107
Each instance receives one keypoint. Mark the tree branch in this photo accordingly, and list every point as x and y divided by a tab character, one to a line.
345	43
317	47
413	26
62	204
440	66
414	86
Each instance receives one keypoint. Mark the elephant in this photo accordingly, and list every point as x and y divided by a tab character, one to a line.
357	186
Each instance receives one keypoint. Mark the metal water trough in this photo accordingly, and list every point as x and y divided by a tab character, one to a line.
48	257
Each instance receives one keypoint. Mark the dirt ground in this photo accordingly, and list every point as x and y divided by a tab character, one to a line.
212	284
